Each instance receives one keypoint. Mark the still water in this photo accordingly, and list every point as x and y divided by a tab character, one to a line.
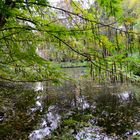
78	109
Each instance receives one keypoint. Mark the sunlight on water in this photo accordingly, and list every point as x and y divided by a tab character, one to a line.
92	133
49	123
38	86
125	95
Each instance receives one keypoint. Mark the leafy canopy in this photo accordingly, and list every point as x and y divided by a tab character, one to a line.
102	34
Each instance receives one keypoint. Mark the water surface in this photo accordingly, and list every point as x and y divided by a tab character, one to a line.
77	109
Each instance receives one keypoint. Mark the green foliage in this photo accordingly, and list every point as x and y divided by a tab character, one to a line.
20	38
111	7
77	34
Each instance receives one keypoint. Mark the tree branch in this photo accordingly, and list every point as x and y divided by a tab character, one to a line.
80	16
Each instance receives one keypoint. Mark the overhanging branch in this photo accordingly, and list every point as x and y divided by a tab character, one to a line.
80	16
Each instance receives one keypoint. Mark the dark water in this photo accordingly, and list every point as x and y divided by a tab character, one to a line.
75	110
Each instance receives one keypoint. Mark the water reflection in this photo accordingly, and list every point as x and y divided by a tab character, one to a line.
115	114
74	110
93	133
48	124
38	86
103	113
16	122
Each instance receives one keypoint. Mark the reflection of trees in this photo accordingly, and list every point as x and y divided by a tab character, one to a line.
18	119
116	115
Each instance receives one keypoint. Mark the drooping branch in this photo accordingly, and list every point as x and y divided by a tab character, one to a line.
81	16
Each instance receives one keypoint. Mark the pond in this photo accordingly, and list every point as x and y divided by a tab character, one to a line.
79	109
